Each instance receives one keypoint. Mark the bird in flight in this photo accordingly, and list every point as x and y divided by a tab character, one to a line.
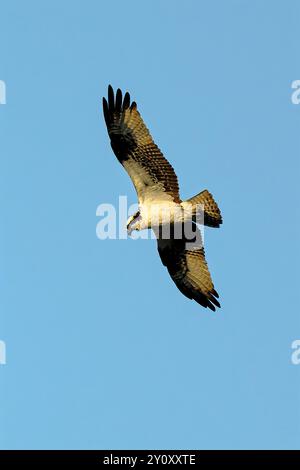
157	189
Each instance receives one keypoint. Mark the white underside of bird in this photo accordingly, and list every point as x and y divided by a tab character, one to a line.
162	214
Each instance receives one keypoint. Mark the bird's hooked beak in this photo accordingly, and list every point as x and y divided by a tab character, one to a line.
129	225
132	223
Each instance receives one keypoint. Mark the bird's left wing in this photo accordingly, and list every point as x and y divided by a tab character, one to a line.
185	261
152	175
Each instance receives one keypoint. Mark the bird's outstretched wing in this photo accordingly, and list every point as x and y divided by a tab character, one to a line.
185	261
152	175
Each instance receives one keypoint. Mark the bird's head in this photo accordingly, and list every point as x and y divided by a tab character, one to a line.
133	223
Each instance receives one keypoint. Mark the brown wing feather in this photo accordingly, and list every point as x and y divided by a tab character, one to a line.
187	267
151	173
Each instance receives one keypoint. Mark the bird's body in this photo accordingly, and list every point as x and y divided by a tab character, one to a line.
157	213
160	206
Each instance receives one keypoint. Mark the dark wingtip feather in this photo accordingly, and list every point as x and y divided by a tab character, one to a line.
206	300
126	101
214	301
211	306
215	293
118	100
111	97
116	104
203	300
105	111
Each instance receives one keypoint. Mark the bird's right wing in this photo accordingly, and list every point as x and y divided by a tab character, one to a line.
185	261
152	175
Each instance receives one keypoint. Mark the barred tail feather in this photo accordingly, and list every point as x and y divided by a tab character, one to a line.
212	214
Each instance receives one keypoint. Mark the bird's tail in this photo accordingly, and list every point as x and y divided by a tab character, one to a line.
204	200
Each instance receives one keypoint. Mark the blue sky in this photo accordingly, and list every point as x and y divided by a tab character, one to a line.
102	349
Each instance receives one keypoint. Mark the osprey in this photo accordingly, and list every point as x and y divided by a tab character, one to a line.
160	205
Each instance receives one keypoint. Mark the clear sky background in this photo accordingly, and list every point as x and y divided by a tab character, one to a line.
102	349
